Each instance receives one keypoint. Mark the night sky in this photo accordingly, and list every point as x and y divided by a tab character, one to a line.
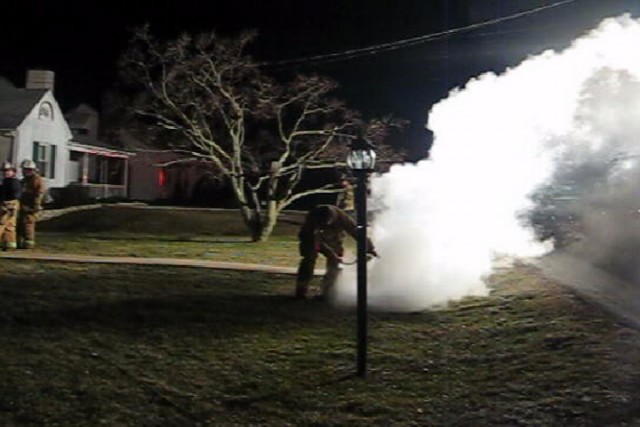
82	40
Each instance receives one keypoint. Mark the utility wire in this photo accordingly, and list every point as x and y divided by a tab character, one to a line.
375	49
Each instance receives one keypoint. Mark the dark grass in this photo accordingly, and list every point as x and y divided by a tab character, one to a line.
162	222
124	345
216	235
277	251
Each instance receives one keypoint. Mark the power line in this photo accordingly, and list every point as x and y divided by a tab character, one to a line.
375	49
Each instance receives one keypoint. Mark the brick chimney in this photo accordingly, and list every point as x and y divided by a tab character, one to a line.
40	79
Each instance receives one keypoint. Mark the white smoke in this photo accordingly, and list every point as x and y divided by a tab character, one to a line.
440	223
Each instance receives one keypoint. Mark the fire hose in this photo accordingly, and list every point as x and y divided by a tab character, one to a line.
333	253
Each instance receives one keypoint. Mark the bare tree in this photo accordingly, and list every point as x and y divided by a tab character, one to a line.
261	134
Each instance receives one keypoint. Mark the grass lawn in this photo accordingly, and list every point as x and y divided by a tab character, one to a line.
166	233
85	345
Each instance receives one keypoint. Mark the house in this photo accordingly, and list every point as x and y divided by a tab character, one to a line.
79	167
94	168
169	176
33	127
67	150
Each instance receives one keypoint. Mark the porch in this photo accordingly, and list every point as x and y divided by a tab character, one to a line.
97	172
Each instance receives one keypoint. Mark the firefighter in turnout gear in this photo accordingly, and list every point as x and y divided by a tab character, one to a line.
33	190
323	231
345	199
10	191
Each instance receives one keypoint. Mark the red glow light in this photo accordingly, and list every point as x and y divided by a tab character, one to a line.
162	177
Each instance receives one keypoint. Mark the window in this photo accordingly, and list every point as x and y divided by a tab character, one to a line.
106	170
96	169
44	156
115	171
45	112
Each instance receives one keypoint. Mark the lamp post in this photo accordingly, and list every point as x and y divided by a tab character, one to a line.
361	160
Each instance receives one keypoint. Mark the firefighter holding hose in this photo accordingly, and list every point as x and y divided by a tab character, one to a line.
323	232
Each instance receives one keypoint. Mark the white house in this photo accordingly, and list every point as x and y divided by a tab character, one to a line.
32	126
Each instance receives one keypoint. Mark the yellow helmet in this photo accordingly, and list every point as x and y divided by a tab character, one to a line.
28	164
7	166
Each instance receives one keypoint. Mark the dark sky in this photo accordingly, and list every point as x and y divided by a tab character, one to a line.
82	40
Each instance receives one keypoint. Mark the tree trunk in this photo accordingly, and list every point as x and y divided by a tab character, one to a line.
269	222
253	222
249	215
260	225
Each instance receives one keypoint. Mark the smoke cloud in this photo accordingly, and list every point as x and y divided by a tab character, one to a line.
503	144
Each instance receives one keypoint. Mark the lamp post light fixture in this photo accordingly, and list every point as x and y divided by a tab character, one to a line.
361	159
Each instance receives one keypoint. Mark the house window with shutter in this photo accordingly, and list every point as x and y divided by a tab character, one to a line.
44	156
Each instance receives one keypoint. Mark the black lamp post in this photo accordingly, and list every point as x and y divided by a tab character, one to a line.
361	160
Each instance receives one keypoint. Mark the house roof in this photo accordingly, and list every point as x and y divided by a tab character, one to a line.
95	143
99	149
16	104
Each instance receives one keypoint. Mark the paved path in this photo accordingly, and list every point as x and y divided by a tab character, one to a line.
216	265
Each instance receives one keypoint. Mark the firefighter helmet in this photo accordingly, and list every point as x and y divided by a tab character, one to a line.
28	164
324	215
7	166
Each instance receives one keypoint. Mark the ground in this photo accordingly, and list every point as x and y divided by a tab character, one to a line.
199	234
129	345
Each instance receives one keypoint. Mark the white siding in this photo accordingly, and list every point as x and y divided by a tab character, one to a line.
53	131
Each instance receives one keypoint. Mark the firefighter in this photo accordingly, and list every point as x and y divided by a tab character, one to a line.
323	231
345	200
10	191
33	190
